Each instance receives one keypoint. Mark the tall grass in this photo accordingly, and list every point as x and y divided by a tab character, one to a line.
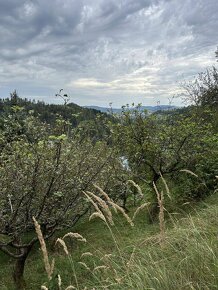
182	257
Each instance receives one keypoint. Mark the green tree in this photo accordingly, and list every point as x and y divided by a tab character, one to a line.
43	175
158	145
203	91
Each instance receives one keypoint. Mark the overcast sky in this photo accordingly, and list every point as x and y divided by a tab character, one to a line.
102	51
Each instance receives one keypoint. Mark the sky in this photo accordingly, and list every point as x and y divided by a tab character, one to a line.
105	51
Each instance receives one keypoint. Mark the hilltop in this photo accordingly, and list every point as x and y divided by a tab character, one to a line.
150	109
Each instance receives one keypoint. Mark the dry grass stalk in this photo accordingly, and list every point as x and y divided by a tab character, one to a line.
129	263
117	278
109	200
92	202
102	192
10	203
166	186
151	240
104	207
136	186
70	287
139	209
86	254
103	267
84	265
49	268
59	282
76	236
123	213
189	171
160	199
106	257
97	214
52	265
62	242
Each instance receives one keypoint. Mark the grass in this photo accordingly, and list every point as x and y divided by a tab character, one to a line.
187	259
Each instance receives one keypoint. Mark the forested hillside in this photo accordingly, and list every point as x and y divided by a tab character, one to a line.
48	112
91	121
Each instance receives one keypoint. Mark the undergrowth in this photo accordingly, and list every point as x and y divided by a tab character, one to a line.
108	253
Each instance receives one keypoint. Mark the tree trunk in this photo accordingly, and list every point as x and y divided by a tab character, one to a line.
18	273
124	197
153	214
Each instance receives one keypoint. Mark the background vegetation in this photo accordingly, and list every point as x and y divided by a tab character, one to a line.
156	171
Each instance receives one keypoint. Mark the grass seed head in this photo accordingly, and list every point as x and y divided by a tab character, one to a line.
142	206
62	242
102	192
189	171
166	186
59	281
86	254
84	265
136	186
76	236
92	202
97	214
120	209
106	257
104	207
48	268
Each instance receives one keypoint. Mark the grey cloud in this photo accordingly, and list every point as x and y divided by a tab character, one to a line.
53	43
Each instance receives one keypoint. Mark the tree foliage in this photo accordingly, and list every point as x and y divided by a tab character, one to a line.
162	145
48	113
203	91
43	173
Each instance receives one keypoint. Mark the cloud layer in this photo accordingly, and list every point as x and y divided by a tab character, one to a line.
105	51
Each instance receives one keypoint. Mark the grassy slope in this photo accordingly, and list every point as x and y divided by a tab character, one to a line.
188	259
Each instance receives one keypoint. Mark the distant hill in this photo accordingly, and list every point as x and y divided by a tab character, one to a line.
48	112
89	122
118	111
